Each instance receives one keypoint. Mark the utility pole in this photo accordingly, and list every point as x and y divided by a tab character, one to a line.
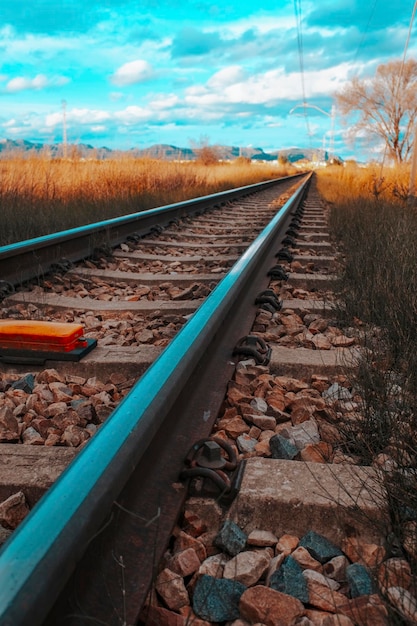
64	129
332	117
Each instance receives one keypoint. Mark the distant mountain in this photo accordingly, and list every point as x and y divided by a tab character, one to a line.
162	151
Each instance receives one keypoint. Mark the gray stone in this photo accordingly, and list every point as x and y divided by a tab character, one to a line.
319	547
305	433
337	392
259	404
289	579
26	383
282	448
83	408
359	580
246	443
247	567
231	538
217	600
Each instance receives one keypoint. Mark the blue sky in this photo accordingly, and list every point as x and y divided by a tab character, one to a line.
181	72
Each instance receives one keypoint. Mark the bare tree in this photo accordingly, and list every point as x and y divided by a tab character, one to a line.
386	105
206	153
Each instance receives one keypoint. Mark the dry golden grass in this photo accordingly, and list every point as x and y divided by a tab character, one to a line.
377	233
373	181
39	195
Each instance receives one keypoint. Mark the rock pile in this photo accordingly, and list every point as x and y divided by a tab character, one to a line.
123	328
296	330
232	578
52	409
287	418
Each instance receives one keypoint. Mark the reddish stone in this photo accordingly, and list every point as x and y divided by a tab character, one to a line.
158	616
318	326
68	418
49	376
395	572
341	341
320	452
9	426
336	568
42	425
191	617
60	392
321	342
238	393
301	414
262	389
368	554
171	588
320	385
185	563
262	448
236	427
184	541
328	432
276	400
254	432
305	560
229	413
286	544
322	618
56	408
269	607
293	324
324	598
73	436
290	384
13	510
366	611
194	525
264	422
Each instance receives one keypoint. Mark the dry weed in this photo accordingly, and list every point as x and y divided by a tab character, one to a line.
39	195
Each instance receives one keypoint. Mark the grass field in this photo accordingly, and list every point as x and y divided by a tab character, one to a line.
376	230
39	195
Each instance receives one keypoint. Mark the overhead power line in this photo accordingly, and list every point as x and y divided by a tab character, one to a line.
298	20
365	32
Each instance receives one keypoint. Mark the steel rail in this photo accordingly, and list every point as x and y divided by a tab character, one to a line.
71	524
29	259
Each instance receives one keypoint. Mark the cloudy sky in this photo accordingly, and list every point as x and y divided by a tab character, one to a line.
184	72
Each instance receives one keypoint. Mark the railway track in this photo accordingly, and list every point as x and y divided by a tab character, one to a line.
178	293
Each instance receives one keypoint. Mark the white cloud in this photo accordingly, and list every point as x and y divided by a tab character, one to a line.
78	116
266	88
133	114
133	72
88	116
162	103
116	95
9	124
226	76
40	81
